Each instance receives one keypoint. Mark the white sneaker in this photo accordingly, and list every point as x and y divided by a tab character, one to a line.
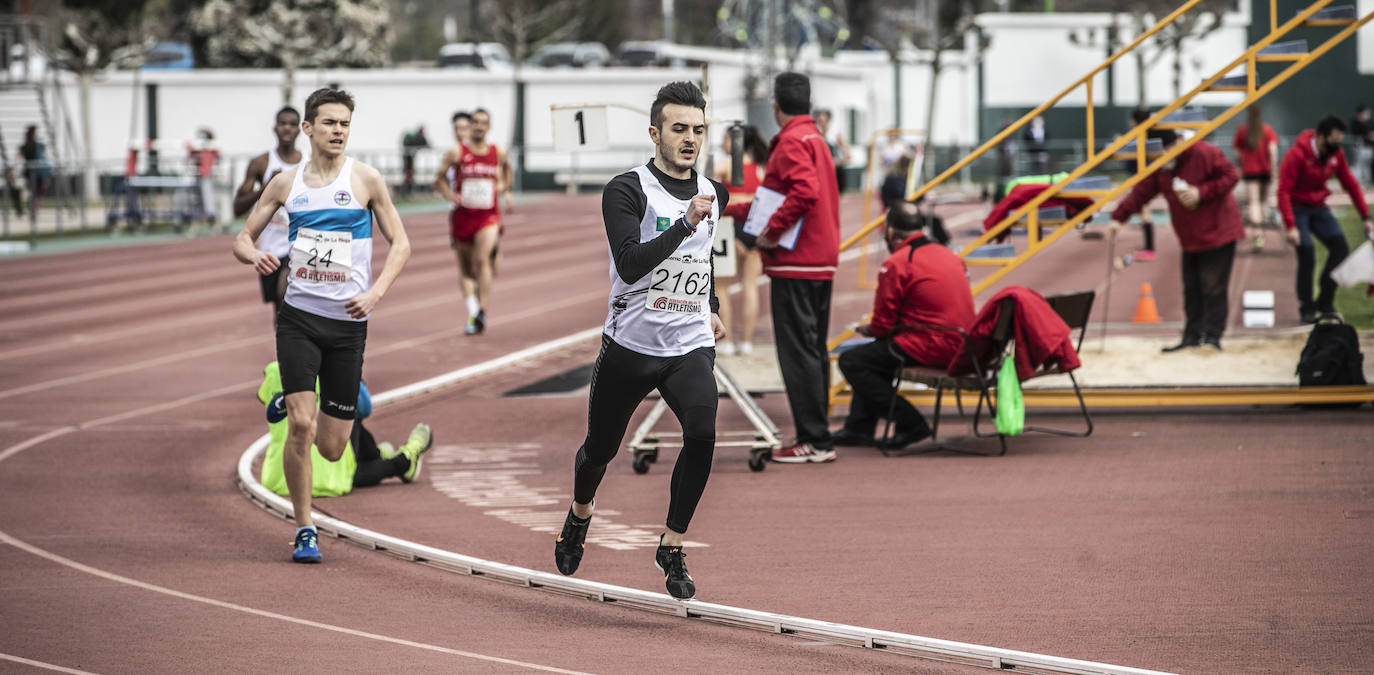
746	348
725	348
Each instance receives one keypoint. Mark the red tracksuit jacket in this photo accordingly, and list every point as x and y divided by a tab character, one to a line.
800	166
1216	220
926	285
1303	176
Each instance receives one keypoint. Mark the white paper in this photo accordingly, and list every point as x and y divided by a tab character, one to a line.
1357	268
723	247
765	204
580	129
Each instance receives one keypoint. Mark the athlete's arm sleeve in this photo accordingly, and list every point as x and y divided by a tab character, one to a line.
622	207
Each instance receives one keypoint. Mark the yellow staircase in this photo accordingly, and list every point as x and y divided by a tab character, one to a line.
1132	144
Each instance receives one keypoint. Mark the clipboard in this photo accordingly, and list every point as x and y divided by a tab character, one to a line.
761	210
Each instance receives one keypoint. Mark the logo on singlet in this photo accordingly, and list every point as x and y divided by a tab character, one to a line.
663	224
342	197
301	200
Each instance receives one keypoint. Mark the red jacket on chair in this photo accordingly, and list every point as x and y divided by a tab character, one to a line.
1042	338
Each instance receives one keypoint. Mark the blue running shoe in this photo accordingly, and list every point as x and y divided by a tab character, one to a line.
307	547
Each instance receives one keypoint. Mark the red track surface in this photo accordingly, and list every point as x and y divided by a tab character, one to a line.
1218	542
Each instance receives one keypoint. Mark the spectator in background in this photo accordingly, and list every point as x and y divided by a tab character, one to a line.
748	263
839	147
1362	129
1036	141
801	174
893	189
37	168
411	144
1147	226
1257	146
918	283
1197	187
1006	163
1313	160
204	155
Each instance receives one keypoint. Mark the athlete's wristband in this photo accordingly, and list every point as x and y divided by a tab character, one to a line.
689	226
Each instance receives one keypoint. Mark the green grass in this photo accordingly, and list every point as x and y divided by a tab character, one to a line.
1352	303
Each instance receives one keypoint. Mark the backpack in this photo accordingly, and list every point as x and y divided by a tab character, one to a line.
1332	356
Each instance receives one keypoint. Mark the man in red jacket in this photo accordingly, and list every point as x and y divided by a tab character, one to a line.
801	248
921	282
1197	187
1314	158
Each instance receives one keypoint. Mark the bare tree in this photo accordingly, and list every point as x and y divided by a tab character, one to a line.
939	27
294	34
1172	40
526	25
93	36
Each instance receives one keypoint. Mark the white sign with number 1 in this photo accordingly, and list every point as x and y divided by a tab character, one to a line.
578	129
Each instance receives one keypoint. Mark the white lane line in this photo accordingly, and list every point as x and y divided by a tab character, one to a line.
633	598
111	419
137	365
109	576
46	666
43	438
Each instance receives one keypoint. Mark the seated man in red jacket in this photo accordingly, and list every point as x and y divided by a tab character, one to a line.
1313	160
921	282
1197	186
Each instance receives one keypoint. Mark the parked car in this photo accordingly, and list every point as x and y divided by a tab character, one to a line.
488	55
572	55
169	56
647	54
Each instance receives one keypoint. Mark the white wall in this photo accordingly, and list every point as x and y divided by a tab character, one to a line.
1029	59
238	105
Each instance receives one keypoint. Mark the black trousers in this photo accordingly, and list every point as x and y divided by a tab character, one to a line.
801	317
869	369
1206	278
621	379
1317	222
372	469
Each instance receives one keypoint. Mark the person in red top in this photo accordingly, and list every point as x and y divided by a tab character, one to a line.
748	264
481	173
801	170
1257	146
921	282
1197	187
1314	158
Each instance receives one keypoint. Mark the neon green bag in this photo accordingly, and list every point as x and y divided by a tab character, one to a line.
1011	408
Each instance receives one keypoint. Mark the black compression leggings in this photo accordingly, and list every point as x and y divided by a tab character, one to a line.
620	380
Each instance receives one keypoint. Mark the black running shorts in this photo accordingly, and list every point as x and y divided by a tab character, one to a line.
310	346
271	281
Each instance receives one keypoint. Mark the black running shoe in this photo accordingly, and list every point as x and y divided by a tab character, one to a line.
567	549
670	560
480	321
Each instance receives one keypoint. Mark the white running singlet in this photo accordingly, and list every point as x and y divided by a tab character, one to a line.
276	237
331	245
668	311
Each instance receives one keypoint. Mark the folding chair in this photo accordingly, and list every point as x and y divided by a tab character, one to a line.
985	358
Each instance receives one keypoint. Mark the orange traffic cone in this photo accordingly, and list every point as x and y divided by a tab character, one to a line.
1145	310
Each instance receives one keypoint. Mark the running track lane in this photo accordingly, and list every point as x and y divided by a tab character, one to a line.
123	412
998	552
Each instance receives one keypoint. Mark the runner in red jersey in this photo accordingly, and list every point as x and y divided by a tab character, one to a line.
481	174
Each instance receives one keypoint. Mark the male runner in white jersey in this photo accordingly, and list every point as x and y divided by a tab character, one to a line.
662	325
276	238
322	326
481	173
